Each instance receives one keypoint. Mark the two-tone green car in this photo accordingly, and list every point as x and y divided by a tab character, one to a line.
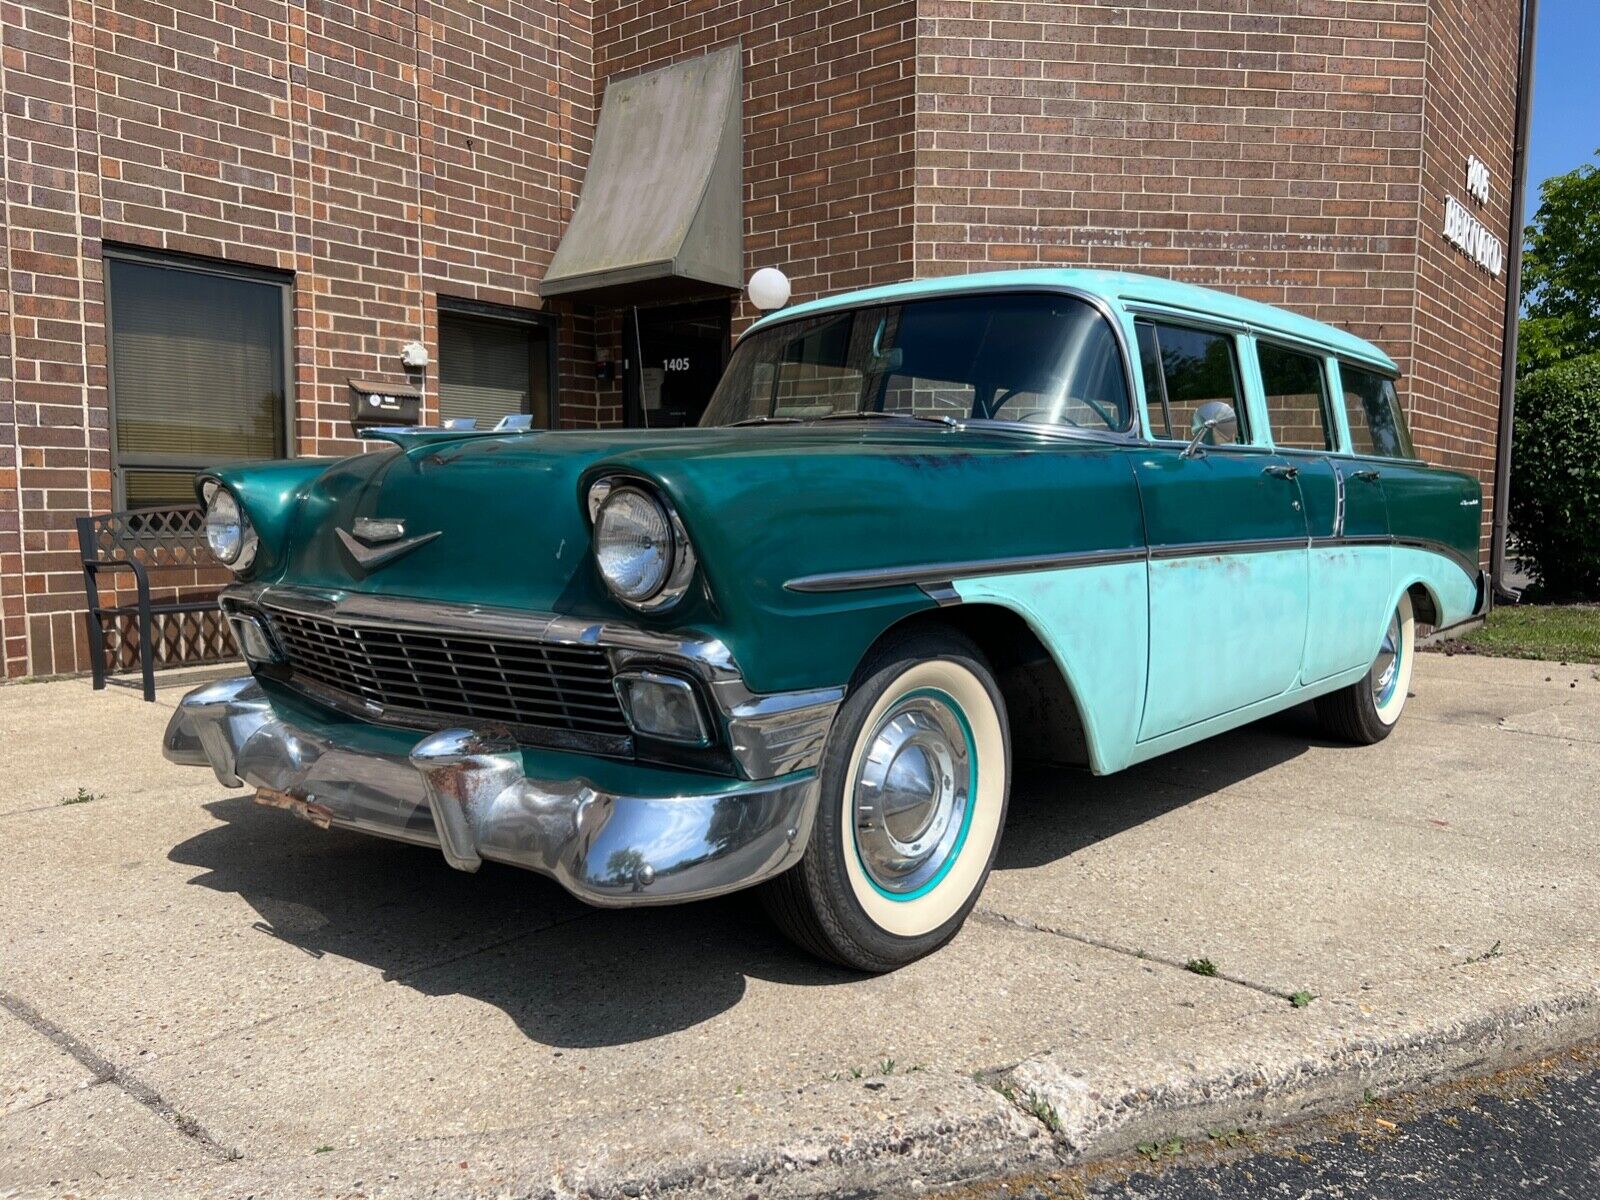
924	531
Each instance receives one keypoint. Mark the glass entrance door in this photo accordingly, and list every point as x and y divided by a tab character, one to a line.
675	355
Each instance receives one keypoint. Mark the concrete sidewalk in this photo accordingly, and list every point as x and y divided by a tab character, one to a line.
202	997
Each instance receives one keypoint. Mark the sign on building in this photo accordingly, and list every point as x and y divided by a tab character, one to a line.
1465	231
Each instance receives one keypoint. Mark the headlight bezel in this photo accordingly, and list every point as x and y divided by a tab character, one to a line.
680	555
249	540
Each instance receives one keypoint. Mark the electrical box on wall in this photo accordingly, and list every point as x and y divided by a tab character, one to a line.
383	404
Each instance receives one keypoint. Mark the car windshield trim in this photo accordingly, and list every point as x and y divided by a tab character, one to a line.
1076	380
878	414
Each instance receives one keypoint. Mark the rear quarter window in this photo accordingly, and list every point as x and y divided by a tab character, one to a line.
1372	407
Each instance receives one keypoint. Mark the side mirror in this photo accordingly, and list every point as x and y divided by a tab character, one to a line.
1214	424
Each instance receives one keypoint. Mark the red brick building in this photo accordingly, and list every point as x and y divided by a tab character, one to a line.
226	219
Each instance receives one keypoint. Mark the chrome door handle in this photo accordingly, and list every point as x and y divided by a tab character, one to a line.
1367	476
1279	471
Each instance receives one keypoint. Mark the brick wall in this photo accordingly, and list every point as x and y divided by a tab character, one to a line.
49	134
384	153
1296	154
13	638
1454	389
828	120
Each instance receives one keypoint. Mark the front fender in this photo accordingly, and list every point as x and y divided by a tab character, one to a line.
270	494
761	523
1094	621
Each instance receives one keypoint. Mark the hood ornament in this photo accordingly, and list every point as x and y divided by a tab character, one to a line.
378	540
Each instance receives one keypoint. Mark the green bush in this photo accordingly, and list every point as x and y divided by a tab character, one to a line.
1555	478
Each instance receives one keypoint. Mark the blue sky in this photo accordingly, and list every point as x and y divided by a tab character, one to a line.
1566	91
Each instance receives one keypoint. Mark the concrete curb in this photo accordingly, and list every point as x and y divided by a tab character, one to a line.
925	1129
1280	1064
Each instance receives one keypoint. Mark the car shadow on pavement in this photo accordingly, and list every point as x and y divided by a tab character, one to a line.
1056	812
569	975
573	976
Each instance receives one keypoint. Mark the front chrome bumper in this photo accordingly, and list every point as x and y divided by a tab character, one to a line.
677	837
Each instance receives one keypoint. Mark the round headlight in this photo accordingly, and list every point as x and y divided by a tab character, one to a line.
633	544
228	530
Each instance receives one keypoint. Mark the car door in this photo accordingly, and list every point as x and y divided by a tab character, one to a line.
1345	514
1227	536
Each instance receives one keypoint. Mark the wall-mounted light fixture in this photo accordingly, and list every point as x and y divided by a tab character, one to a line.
769	289
414	355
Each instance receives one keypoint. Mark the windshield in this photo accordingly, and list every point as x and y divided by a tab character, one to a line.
1041	358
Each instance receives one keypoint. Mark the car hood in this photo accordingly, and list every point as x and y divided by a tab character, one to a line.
762	506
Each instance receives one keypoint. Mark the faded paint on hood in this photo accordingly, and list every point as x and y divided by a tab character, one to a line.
762	505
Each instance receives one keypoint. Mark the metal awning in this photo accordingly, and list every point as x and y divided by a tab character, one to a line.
660	213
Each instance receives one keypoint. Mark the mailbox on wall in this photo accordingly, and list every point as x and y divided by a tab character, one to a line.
374	403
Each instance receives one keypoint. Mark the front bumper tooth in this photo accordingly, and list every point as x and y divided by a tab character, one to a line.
466	792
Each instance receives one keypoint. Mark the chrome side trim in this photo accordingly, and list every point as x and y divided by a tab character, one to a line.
1469	565
934	578
1353	539
934	574
467	792
1207	549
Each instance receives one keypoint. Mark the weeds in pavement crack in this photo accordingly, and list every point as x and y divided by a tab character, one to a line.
1156	1151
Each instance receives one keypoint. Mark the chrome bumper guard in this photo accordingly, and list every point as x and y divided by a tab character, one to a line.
466	792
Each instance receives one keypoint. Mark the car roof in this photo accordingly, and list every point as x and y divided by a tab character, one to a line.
1120	287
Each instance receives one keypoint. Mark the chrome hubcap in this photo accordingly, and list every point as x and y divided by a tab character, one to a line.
1386	668
911	794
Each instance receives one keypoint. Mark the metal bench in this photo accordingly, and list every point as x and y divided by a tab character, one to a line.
182	630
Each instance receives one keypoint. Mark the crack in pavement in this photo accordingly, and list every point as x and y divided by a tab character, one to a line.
106	1071
992	916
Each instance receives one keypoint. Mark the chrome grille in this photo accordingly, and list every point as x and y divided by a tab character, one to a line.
447	677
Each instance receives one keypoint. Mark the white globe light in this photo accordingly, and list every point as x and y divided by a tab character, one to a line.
769	289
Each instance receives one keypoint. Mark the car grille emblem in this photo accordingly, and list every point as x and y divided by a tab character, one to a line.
373	541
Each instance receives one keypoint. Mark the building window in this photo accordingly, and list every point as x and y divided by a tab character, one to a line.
494	363
197	369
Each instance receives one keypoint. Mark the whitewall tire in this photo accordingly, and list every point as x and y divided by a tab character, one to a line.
1366	711
914	785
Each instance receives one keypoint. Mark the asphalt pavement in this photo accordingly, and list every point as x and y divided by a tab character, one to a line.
1528	1133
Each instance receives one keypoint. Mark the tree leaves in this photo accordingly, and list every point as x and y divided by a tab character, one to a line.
1561	272
1555	486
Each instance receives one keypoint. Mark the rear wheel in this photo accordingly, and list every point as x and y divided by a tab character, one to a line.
1366	711
914	783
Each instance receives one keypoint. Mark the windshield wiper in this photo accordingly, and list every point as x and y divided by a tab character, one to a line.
872	414
764	421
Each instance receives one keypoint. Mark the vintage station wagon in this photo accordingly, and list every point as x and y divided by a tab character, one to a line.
923	531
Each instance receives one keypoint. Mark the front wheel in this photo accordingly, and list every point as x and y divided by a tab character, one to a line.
914	784
1366	711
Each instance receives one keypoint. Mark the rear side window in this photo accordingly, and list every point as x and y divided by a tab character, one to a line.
1377	426
1297	397
1183	369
